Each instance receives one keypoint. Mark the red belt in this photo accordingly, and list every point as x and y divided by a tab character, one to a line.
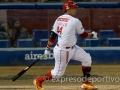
67	47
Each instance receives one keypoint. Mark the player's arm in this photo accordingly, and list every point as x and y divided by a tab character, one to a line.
80	30
51	39
89	35
86	35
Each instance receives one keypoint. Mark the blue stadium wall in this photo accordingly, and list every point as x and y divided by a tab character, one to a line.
25	56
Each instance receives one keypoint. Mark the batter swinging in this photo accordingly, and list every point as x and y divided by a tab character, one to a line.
65	28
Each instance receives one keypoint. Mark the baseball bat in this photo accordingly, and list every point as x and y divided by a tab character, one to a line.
25	69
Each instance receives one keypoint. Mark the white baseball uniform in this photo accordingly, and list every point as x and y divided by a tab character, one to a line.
66	28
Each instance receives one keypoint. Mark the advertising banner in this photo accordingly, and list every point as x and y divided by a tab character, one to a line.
25	56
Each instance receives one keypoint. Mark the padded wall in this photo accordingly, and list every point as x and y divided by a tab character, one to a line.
25	56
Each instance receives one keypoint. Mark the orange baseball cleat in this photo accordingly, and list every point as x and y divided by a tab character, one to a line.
88	86
38	85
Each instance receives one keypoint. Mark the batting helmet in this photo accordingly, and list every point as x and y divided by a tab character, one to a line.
69	5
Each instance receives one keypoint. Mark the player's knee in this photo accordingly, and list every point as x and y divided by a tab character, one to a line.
57	74
87	61
60	74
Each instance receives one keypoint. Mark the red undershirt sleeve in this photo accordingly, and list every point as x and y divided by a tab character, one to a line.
84	34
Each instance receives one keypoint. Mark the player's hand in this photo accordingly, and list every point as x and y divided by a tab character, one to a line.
47	51
94	35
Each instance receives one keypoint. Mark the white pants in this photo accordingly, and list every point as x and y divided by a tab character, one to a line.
63	56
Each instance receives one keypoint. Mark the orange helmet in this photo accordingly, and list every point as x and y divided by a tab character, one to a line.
69	5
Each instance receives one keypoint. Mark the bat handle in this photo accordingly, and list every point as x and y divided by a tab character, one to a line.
18	75
14	78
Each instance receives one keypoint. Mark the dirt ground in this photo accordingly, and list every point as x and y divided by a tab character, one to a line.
105	77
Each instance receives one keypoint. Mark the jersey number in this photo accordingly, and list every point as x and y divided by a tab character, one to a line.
59	29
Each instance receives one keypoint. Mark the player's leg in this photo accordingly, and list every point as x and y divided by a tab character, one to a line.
62	58
85	58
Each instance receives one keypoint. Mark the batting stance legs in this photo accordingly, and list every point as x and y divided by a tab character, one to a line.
62	57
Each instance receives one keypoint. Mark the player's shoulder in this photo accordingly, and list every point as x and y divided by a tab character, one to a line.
74	18
77	20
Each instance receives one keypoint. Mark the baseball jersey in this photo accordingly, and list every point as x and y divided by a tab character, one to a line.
66	27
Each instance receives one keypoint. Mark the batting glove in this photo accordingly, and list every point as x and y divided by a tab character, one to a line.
47	51
94	34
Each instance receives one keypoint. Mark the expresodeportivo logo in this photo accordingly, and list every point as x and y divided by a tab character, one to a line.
35	56
73	79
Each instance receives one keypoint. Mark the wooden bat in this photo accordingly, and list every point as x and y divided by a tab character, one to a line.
25	69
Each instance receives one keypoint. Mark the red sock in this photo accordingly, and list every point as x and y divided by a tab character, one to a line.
41	79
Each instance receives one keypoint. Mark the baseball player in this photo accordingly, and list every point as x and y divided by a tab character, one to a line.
65	28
